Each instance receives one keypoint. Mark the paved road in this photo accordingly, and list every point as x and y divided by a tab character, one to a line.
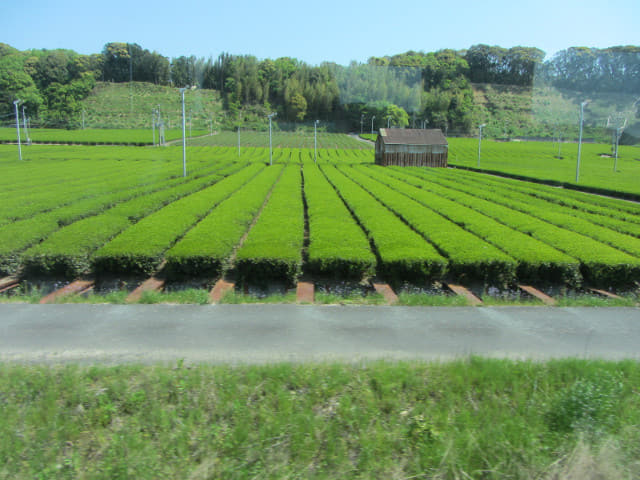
271	333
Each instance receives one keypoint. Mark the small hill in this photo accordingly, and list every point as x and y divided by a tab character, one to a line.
129	105
508	110
512	111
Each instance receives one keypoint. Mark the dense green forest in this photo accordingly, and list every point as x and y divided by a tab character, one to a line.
408	89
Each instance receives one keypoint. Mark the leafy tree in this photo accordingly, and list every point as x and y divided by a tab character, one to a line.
297	107
15	83
615	69
116	62
399	117
53	67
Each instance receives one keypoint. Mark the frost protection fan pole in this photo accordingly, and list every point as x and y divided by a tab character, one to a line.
271	115
480	127
582	105
616	123
184	144
15	103
24	125
315	141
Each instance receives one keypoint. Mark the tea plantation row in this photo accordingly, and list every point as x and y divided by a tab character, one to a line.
341	217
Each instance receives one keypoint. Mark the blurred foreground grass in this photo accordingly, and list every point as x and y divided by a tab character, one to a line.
471	418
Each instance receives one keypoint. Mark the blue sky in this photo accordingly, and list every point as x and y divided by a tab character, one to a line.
331	30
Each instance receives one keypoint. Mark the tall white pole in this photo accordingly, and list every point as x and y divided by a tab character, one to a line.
315	141
15	103
372	119
160	126
618	135
24	122
480	141
582	105
270	144
389	121
184	140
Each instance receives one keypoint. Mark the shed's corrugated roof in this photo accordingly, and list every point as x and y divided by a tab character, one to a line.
407	136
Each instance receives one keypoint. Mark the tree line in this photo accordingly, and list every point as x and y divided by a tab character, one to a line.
432	88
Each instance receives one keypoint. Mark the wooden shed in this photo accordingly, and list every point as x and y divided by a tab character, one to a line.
411	148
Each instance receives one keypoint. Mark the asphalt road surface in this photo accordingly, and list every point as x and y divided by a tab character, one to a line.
274	333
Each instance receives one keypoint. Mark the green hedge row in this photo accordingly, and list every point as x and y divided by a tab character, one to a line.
112	178
207	248
537	162
601	264
469	257
536	261
337	245
273	248
403	254
574	220
622	220
586	202
28	203
67	251
17	236
95	136
140	248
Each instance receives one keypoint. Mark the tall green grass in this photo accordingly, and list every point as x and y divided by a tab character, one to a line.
470	418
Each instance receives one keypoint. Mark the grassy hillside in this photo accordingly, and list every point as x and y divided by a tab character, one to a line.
507	110
124	105
510	110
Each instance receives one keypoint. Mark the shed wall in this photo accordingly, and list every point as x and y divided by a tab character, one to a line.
411	155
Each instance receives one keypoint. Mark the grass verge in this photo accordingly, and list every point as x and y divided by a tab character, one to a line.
198	296
471	418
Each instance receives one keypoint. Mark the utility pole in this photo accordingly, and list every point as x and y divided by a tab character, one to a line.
480	127
582	105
